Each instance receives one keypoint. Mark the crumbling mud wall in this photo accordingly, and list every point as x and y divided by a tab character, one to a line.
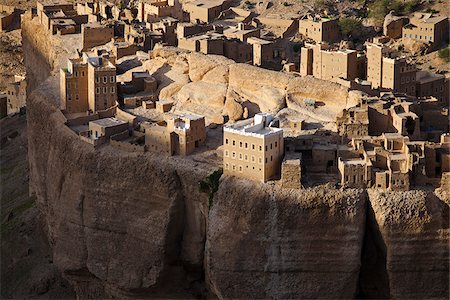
134	225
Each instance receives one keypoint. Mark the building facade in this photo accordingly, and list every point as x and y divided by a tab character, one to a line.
427	28
253	148
88	84
384	72
317	60
320	29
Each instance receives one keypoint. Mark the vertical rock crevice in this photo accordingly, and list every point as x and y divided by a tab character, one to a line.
373	277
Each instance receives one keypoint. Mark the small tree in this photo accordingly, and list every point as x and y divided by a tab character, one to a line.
444	54
210	185
349	25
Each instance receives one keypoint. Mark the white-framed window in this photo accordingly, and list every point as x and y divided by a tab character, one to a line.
253	158
69	97
112	79
233	154
105	90
97	90
226	153
105	79
97	79
113	90
227	166
68	86
77	97
240	156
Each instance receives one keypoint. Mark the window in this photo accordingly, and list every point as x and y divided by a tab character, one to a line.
266	147
245	157
266	160
276	144
240	156
271	158
234	168
226	141
82	73
226	153
112	79
105	90
405	35
431	38
113	90
270	146
69	97
240	144
105	79
233	154
253	146
260	160
97	90
410	36
76	73
234	143
227	166
77	97
246	145
260	148
240	169
253	158
97	79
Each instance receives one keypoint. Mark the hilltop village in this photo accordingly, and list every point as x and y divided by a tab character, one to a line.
116	91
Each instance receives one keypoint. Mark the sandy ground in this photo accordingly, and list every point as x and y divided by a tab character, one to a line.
27	269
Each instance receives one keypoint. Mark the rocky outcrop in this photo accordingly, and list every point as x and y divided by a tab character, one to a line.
410	232
282	244
116	217
136	225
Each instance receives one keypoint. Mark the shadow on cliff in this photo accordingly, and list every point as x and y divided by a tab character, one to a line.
373	276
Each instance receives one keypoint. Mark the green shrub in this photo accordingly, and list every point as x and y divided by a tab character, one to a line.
296	48
444	54
378	9
349	25
210	185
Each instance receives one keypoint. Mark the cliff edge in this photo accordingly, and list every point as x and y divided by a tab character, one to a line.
134	225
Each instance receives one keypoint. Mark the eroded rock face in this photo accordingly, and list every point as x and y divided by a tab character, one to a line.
414	231
274	243
135	225
121	217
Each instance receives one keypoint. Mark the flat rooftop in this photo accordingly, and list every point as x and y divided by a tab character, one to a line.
206	3
108	122
249	127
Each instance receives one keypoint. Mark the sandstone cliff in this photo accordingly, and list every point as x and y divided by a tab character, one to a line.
136	225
